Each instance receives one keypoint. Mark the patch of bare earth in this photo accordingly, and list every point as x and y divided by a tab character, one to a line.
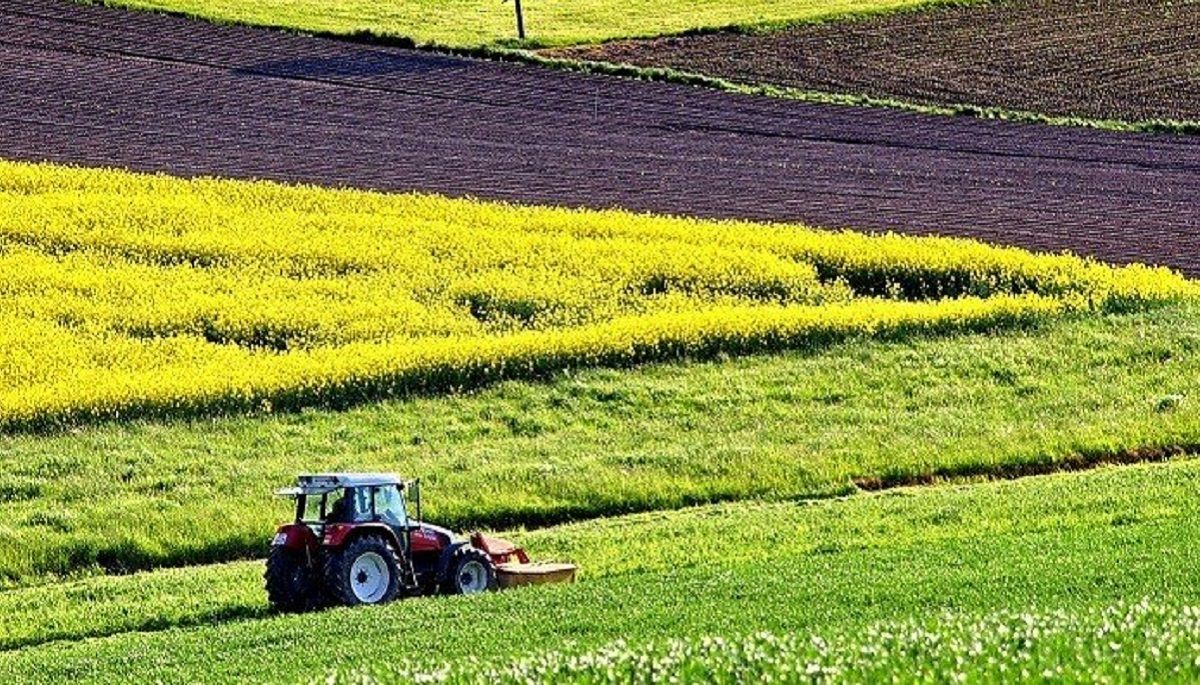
1132	60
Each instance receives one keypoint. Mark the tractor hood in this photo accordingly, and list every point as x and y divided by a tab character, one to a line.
445	534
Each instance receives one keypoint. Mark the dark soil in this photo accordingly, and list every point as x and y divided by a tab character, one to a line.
1132	60
103	87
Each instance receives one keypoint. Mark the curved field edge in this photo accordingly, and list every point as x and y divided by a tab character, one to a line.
1145	641
528	52
358	374
450	25
269	297
596	443
828	566
696	79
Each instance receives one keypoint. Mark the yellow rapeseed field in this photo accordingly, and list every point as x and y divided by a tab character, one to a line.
125	295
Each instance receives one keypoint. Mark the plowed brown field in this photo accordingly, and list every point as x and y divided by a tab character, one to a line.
104	87
1133	60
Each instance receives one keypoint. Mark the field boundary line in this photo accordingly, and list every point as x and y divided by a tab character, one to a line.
536	57
695	79
533	53
1077	462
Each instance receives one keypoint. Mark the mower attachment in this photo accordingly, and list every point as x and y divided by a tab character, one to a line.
513	568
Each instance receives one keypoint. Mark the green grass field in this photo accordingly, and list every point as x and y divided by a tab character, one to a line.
474	23
598	443
1075	543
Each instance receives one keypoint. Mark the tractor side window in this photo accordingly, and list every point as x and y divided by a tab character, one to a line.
389	506
362	504
339	510
312	508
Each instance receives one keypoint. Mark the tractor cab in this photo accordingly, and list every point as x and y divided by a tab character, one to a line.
334	508
322	500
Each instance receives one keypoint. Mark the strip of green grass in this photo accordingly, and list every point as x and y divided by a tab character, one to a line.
1073	541
599	443
470	23
668	75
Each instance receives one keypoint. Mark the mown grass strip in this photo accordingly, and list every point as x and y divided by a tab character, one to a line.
1076	541
593	443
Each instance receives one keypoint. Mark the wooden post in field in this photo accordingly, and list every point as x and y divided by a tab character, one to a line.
520	20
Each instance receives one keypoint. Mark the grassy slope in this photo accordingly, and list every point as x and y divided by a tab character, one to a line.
1073	541
471	23
604	442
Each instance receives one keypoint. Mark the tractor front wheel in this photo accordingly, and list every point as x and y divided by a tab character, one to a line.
365	571
291	584
471	571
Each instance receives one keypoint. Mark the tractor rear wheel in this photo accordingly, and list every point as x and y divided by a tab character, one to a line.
365	571
291	585
471	571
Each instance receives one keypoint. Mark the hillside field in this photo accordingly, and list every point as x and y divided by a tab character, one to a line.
1121	65
218	332
1100	62
138	296
1073	555
467	23
809	385
389	118
614	389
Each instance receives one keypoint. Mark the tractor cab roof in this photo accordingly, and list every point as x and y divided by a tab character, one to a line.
321	483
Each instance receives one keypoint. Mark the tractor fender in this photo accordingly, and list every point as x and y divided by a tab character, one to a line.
341	534
295	536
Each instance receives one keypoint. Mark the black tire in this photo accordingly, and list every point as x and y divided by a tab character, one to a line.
292	586
463	573
340	575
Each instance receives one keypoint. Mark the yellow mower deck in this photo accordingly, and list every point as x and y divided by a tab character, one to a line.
517	574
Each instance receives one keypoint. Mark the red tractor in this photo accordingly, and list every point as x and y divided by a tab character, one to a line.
353	542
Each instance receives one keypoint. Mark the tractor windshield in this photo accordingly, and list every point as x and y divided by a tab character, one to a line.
342	505
389	506
350	505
